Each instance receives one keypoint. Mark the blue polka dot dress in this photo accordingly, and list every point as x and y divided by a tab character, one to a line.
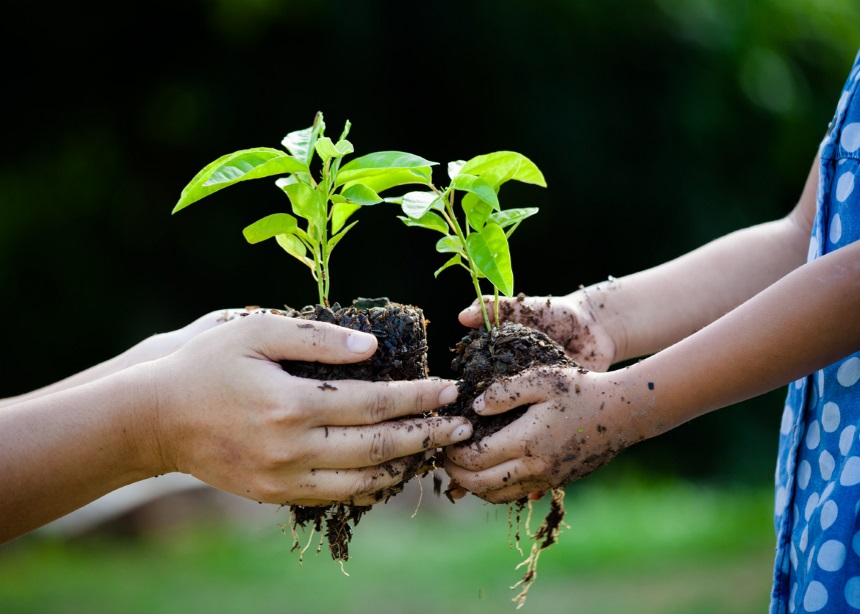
817	503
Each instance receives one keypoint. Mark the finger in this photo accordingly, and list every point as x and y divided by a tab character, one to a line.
525	388
504	482
355	486
472	316
278	337
365	446
353	402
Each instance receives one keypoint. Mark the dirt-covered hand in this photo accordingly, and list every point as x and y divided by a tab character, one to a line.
576	422
572	321
228	414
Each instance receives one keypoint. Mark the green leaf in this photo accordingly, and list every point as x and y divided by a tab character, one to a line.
454	168
429	220
379	163
489	252
448	244
301	142
416	204
336	238
270	226
295	248
478	187
340	213
511	216
328	150
476	210
309	204
498	163
452	262
238	166
394	178
360	194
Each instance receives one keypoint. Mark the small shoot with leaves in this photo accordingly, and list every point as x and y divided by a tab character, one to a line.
479	244
321	203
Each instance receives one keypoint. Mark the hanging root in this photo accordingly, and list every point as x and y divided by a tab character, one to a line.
546	535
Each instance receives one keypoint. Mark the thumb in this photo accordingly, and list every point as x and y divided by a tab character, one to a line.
278	337
472	316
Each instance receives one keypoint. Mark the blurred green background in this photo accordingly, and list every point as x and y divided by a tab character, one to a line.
659	125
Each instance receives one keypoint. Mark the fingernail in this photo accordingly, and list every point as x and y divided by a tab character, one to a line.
462	433
448	395
479	405
359	343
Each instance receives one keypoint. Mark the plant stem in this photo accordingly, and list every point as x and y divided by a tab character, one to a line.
452	221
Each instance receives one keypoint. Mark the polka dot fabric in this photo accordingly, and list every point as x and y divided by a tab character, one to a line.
817	502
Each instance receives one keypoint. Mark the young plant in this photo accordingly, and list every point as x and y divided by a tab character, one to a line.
480	245
321	203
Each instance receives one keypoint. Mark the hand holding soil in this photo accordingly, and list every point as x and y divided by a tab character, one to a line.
577	421
573	321
228	414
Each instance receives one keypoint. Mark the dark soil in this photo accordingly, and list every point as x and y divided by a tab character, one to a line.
483	357
401	333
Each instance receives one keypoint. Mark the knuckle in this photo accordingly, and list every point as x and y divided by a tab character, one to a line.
378	404
381	447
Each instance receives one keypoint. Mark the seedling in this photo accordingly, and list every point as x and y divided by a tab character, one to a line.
321	205
480	245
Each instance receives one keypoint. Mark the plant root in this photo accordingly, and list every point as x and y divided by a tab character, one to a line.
546	535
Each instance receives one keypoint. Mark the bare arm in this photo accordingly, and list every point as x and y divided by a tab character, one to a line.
222	409
799	324
650	310
151	348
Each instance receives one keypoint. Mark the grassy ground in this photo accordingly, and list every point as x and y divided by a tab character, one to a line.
630	547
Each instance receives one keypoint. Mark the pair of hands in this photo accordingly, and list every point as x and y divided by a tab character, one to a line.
228	414
578	419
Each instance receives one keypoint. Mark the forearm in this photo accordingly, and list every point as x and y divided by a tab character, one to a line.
63	450
648	311
801	323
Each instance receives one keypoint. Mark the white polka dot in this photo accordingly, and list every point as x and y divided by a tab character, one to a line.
855	544
849	372
850	140
810	558
850	472
816	596
829	512
830	417
787	420
821	383
835	229
796	516
852	592
826	493
804	539
813	435
793	555
811	504
812	253
844	186
846	439
826	464
793	599
804	472
832	555
843	100
781	500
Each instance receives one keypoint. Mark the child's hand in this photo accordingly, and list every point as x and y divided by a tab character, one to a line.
572	321
578	421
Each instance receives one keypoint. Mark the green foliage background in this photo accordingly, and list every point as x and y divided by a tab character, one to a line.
659	125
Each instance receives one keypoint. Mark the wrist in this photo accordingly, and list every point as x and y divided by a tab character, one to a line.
599	322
